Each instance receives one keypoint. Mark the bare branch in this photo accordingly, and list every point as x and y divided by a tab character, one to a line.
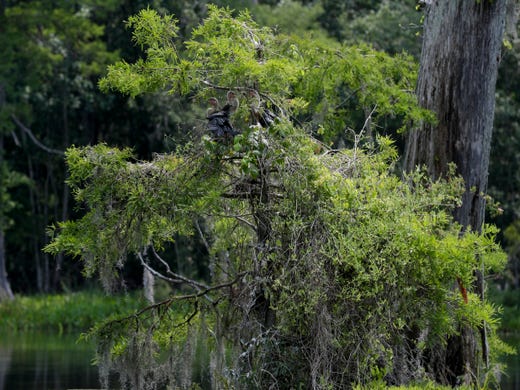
245	221
15	139
158	274
223	88
366	125
175	276
168	302
202	237
33	138
166	265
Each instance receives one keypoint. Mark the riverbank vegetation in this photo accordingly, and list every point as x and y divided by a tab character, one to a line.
81	311
72	312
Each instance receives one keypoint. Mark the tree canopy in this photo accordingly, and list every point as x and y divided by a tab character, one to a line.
327	268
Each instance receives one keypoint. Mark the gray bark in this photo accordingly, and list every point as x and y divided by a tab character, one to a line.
457	78
5	288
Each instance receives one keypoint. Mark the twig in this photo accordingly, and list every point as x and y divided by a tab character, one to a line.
15	139
369	117
34	139
245	221
223	88
161	276
202	237
171	300
199	286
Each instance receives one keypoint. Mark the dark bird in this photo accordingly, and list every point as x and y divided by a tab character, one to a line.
218	121
260	115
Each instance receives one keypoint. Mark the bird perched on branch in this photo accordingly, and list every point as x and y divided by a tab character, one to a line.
218	119
232	103
214	106
260	115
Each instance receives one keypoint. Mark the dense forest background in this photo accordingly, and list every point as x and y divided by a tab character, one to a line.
54	53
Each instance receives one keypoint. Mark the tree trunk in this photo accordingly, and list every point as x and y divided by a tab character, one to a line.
5	288
457	77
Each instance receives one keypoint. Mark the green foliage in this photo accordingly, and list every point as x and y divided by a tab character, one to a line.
509	303
327	268
395	27
382	240
45	43
130	205
8	180
375	256
358	82
156	34
336	12
53	54
322	83
290	17
348	241
72	312
420	386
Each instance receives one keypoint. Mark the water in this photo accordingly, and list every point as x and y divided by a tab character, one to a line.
46	362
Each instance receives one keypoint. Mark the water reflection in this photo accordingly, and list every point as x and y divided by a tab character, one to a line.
44	361
5	362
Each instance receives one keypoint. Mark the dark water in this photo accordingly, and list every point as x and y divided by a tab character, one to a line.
52	362
46	362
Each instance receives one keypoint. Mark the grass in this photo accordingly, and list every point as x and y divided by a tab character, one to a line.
70	312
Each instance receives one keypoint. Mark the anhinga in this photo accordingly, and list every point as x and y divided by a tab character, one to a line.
214	106
232	102
259	113
218	119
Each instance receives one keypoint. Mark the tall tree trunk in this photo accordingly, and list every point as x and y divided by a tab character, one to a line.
457	77
5	288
